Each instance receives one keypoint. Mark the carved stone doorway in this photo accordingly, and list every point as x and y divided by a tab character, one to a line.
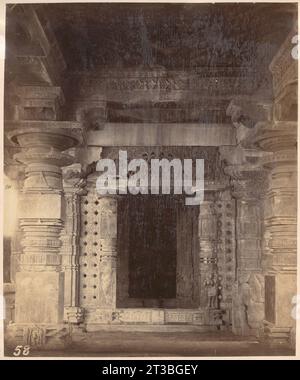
157	252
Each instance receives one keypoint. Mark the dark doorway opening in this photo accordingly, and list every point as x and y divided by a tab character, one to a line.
152	247
157	252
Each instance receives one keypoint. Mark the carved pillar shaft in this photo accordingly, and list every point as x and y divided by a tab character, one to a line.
40	280
70	256
246	191
41	222
280	242
207	244
279	238
280	214
248	305
226	250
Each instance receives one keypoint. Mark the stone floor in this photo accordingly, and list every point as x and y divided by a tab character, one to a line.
146	344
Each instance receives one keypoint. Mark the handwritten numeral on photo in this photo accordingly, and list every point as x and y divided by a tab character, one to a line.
22	350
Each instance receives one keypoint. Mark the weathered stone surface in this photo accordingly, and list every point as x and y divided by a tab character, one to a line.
135	82
162	134
39	298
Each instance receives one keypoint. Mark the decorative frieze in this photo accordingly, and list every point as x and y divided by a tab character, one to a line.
85	85
147	316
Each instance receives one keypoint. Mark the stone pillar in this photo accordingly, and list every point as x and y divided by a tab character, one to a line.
280	224
278	138
41	209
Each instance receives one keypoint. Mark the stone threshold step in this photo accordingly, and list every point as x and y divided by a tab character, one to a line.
150	328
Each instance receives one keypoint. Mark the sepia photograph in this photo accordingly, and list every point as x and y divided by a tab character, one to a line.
150	180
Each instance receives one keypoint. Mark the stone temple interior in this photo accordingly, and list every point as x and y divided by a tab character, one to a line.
216	82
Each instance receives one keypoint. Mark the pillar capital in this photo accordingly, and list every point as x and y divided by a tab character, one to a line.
274	136
42	144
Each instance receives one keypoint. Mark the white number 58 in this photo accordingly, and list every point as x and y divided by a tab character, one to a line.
21	350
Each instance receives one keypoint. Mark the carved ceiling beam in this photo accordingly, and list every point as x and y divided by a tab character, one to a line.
39	60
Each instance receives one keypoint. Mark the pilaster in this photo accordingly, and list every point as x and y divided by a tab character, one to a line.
248	184
70	250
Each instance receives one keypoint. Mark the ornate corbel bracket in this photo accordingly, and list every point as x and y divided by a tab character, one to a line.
92	113
247	111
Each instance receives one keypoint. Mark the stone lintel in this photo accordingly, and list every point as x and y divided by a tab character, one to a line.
131	134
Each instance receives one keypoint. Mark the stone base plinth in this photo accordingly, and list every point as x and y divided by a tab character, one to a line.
38	297
278	336
37	336
153	328
152	316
